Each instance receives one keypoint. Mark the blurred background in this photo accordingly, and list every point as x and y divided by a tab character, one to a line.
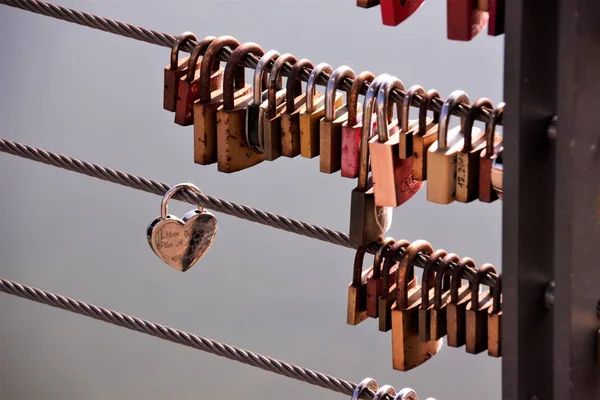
98	97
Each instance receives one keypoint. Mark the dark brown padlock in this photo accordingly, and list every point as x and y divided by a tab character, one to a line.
389	273
441	297
495	321
188	89
493	146
460	296
176	69
427	292
233	153
357	290
425	136
477	312
294	106
375	281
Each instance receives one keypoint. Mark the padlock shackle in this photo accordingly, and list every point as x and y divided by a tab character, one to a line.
260	81
359	259
383	391
275	82
331	90
406	394
164	210
294	84
474	112
210	63
490	129
427	99
180	41
482	273
430	272
198	51
454	100
442	276
384	106
364	78
232	71
456	281
390	261
497	295
384	247
406	102
367	383
406	263
311	85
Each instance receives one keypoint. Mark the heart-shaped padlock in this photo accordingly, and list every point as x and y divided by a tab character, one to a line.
181	242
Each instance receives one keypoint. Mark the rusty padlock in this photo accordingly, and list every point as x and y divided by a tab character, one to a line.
176	69
495	321
441	155
408	127
477	312
465	20
441	297
352	128
357	290
493	145
460	296
205	108
295	104
389	273
368	222
375	280
425	136
393	184
467	159
428	279
394	12
408	351
232	150
188	89
496	17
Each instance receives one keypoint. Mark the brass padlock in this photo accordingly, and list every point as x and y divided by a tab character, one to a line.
430	272
493	145
233	153
389	273
441	155
495	321
375	281
357	290
294	105
498	174
467	160
441	297
176	69
460	296
368	222
425	136
330	142
477	312
258	105
408	351
408	127
188	89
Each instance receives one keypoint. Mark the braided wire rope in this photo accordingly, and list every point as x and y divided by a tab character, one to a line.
167	40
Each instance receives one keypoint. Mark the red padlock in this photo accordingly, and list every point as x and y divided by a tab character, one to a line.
394	12
496	16
465	19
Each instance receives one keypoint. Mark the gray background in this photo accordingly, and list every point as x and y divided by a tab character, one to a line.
97	96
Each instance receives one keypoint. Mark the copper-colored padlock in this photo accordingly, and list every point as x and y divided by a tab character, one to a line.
408	351
367	3
425	136
375	280
430	272
188	89
493	145
441	155
389	273
460	296
441	297
330	136
176	69
392	177
233	152
496	17
477	312
368	222
357	290
465	20
294	105
495	321
467	159
271	132
352	128
408	128
394	12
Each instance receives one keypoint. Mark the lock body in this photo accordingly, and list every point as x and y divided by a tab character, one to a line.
467	169
496	11
421	144
477	324
290	128
464	19
171	83
330	142
441	169
394	12
456	318
188	94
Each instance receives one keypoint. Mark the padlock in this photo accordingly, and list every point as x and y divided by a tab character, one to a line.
408	127
205	108
483	5
465	20
294	105
408	351
460	296
258	105
495	321
233	153
368	222
467	159
271	131
430	272
393	184
375	280
498	174
330	136
188	89
496	17
394	12
441	297
477	312
357	290
176	69
389	273
352	128
493	145
367	3
441	155
425	136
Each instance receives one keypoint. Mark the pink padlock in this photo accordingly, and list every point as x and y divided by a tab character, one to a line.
394	12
